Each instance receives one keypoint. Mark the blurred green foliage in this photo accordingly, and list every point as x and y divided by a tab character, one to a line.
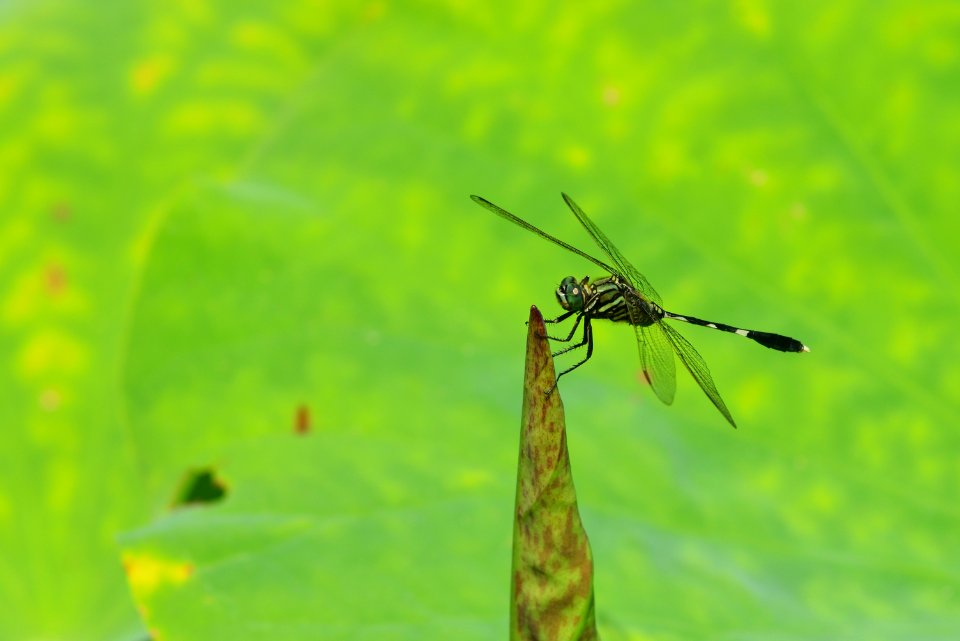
222	223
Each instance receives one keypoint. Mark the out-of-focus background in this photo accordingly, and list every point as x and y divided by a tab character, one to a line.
237	237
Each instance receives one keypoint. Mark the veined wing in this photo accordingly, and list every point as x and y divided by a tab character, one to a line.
697	368
656	356
624	268
503	213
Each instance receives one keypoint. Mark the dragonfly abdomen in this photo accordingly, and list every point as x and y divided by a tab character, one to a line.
767	339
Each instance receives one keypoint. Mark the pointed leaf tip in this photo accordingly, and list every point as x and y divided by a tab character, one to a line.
552	576
539	372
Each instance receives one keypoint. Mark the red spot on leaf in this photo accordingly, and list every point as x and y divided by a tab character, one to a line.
302	421
50	399
55	279
60	212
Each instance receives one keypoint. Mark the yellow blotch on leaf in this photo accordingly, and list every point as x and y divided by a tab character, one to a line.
576	156
758	177
823	498
147	74
668	160
755	17
472	478
611	95
11	85
147	573
51	351
768	479
754	394
374	11
908	346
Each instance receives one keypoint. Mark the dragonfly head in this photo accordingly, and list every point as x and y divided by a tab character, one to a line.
570	294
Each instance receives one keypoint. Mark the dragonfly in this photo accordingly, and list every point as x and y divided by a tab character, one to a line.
626	296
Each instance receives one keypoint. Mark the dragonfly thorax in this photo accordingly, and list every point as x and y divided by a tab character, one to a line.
571	293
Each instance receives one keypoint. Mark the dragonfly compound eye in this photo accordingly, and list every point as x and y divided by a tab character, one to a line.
570	294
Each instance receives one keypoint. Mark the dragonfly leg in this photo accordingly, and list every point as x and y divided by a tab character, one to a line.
560	318
588	341
573	330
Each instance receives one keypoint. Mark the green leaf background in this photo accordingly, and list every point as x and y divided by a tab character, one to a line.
220	218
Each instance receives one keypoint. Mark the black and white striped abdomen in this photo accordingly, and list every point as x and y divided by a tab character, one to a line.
767	339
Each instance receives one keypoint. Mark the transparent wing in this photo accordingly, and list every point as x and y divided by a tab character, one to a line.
624	268
656	356
697	368
503	213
